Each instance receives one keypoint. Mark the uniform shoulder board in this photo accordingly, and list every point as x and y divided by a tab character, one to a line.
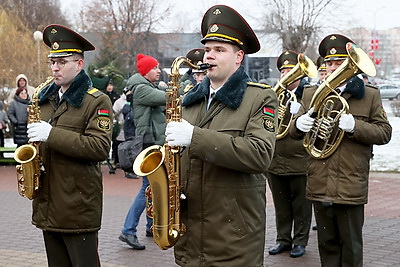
372	86
94	92
260	85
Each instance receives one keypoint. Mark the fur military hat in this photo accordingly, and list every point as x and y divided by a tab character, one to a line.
64	42
224	24
287	59
333	47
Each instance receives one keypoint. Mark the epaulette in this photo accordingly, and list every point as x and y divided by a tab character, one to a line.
94	92
260	85
372	86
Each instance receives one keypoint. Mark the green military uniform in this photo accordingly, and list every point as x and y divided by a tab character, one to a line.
338	184
231	146
287	177
69	207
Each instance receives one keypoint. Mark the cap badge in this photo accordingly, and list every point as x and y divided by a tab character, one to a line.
53	31
286	62
55	46
333	37
217	12
196	52
332	51
214	28
287	53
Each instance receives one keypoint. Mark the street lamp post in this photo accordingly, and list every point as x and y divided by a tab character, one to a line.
37	35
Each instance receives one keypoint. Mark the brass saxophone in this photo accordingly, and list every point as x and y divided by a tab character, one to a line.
325	136
304	67
161	165
29	170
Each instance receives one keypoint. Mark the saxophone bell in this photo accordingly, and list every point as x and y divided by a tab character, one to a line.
30	168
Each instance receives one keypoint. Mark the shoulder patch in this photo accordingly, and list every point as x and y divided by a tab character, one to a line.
94	92
259	85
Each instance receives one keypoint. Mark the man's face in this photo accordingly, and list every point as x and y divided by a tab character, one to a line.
21	82
65	69
321	75
332	65
226	59
154	74
293	85
199	76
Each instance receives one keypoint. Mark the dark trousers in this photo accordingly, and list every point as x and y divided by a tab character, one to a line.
292	208
66	250
339	234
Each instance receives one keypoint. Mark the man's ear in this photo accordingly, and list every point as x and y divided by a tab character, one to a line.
239	56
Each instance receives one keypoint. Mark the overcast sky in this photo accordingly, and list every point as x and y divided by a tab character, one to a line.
373	14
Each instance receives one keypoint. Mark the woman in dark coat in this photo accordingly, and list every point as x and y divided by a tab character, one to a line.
18	115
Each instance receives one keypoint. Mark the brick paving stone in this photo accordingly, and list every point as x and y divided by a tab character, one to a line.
21	243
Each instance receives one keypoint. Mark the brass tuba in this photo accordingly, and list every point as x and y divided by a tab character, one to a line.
325	135
304	67
29	170
161	165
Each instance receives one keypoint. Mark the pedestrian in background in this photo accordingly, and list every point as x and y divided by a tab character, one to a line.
21	81
148	116
75	136
18	115
228	139
3	124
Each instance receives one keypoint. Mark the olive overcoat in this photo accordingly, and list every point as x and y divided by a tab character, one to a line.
342	178
71	198
232	145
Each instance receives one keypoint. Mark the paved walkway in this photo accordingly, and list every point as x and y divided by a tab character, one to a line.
21	243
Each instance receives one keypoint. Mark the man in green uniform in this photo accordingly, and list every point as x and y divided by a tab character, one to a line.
287	176
338	184
229	134
75	132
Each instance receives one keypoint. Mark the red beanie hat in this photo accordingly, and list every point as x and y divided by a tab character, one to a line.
145	63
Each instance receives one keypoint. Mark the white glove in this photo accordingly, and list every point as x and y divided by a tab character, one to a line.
179	133
304	123
347	122
294	107
39	131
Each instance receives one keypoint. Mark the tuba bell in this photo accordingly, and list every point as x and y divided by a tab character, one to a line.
325	135
304	67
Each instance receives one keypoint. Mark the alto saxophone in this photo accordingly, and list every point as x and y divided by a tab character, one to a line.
161	165
29	170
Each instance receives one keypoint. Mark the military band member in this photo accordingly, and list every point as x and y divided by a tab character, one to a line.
229	134
193	76
338	184
321	66
287	177
75	131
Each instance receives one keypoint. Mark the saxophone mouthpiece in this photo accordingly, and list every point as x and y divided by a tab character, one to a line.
205	66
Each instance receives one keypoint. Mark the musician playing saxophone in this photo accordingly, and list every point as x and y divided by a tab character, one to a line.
338	184
228	129
287	176
75	136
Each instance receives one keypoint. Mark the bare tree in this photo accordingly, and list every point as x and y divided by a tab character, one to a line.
126	27
295	22
19	52
36	14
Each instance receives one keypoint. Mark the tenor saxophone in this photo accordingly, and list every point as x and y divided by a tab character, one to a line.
29	170
161	165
